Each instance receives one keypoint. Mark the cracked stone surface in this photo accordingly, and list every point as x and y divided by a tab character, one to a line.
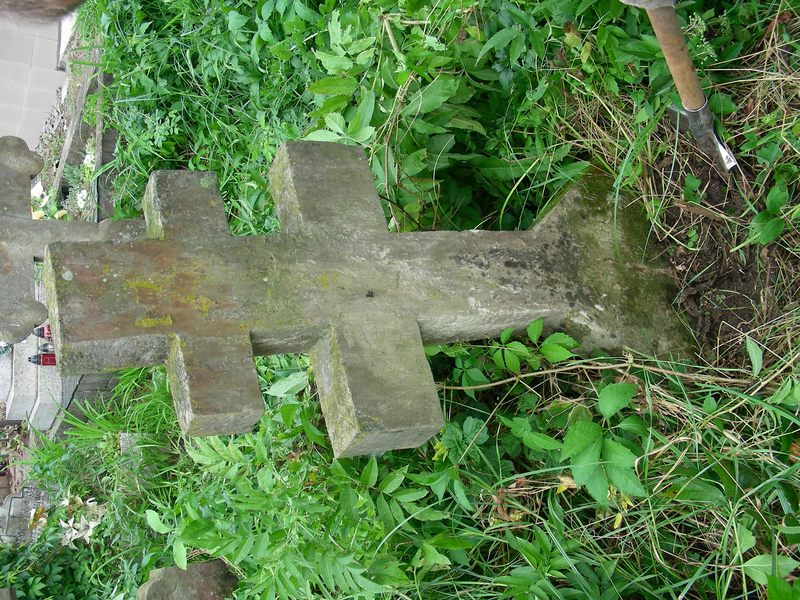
336	283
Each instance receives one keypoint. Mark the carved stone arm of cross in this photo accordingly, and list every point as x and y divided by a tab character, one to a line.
22	240
372	376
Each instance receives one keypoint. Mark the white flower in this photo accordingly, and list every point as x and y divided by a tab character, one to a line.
89	159
86	524
37	190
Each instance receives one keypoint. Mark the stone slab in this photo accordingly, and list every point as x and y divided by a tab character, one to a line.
8	594
25	381
6	375
335	281
48	399
209	580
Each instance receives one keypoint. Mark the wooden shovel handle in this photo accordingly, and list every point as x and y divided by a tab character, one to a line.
673	44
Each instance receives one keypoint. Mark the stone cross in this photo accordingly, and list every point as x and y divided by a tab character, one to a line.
23	240
337	283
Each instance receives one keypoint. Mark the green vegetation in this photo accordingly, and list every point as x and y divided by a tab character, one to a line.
556	477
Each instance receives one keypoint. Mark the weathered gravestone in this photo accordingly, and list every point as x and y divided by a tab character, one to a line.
15	515
23	240
29	392
337	283
208	580
8	594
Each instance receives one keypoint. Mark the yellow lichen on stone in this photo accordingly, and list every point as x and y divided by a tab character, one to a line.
202	303
144	284
150	322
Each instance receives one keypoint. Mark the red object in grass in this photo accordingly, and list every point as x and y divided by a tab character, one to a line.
44	359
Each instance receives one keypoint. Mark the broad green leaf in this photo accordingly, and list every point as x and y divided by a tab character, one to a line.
474	431
179	554
475	377
335	122
722	104
562	339
788	393
410	495
617	455
506	334
778	196
365	110
709	404
468	124
626	481
517	48
244	549
518	425
539	441
535	330
414	162
765	228
430	514
432	96
236	21
334	86
323	135
760	567
369	476
744	538
755	353
580	435
506	359
460	495
555	353
289	386
154	521
780	589
614	397
596	484
333	63
586	462
301	10
392	481
261	546
634	424
429	557
501	39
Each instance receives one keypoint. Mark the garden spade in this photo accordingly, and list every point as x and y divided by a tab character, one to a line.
695	109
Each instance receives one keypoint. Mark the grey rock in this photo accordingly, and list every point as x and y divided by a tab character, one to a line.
209	580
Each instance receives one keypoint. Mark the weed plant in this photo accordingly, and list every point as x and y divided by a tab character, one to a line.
554	478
